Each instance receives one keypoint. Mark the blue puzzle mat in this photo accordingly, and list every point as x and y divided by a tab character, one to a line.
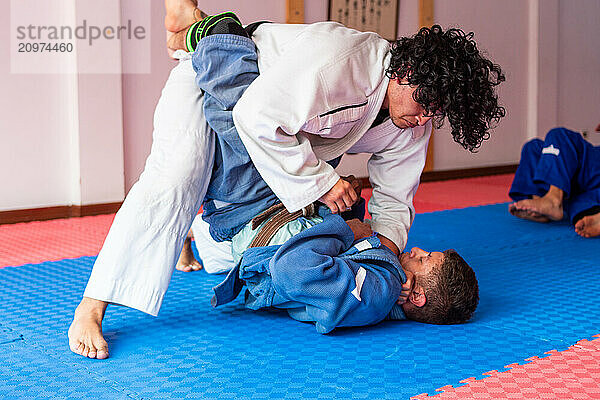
539	287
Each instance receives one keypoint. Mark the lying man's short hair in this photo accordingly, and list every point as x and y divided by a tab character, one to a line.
451	290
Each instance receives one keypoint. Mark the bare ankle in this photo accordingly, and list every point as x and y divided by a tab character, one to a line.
91	307
555	196
177	41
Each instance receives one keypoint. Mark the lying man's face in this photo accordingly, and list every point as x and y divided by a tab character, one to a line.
440	288
421	268
420	262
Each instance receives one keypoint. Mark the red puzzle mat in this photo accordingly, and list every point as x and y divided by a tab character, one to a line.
570	374
35	242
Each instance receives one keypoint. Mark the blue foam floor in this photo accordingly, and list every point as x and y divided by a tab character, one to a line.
538	286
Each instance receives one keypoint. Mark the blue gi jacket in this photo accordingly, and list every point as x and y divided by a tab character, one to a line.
320	276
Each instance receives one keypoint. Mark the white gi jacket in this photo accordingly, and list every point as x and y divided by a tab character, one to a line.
318	93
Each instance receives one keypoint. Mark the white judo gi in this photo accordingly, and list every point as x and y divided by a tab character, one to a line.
318	93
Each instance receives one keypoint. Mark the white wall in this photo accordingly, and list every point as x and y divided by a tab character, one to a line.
53	132
501	30
140	95
60	134
34	145
100	116
579	66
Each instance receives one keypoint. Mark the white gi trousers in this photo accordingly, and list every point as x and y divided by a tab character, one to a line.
217	257
139	254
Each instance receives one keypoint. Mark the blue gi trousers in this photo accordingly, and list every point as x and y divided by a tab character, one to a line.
225	66
563	159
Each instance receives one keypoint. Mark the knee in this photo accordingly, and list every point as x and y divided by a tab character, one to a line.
557	134
183	160
534	146
180	103
566	139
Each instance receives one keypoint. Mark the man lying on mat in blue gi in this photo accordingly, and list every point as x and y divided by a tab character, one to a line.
557	177
336	274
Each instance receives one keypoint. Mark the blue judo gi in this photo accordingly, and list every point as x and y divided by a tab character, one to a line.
566	160
225	66
320	276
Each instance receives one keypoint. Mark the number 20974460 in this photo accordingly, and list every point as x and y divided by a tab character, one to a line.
39	47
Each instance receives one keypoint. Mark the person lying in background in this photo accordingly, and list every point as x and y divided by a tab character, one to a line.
559	177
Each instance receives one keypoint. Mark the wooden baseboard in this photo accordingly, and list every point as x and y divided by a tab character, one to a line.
46	213
432	176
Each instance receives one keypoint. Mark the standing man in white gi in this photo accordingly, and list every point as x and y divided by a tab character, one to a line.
323	90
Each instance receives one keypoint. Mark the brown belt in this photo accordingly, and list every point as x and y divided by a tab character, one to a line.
277	217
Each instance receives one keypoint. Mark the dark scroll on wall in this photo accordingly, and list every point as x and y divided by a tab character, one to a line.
379	16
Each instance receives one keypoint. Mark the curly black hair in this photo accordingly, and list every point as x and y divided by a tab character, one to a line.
453	80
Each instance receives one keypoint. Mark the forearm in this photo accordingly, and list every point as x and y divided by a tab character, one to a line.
394	174
389	244
391	222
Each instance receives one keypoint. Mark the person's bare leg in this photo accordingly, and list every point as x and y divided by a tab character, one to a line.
85	332
176	41
187	262
540	209
588	226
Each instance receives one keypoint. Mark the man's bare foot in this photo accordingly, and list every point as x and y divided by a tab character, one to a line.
588	226
85	332
181	14
187	262
540	209
525	214
536	209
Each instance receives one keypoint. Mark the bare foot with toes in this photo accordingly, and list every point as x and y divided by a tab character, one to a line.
526	214
187	262
85	332
540	209
589	226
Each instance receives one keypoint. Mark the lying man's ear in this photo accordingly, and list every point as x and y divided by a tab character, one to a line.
417	296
